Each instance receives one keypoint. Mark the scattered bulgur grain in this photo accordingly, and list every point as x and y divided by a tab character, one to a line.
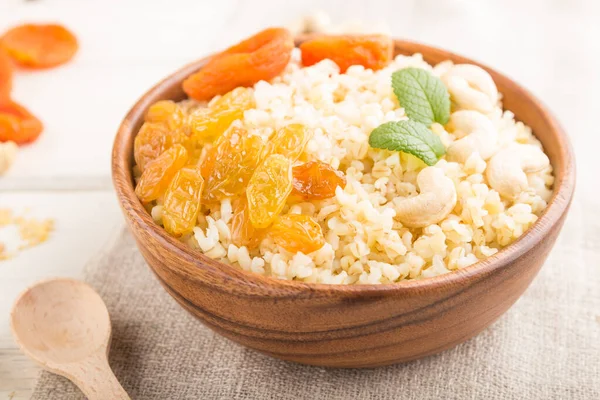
5	216
32	231
3	254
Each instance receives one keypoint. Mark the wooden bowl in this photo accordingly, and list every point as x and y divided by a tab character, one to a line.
349	326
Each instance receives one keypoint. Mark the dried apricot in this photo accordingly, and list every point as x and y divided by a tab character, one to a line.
316	180
236	157
242	231
370	51
182	201
18	124
166	112
296	233
6	76
40	46
260	57
207	124
268	190
159	172
153	139
290	141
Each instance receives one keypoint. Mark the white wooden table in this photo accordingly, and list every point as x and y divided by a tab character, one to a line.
126	46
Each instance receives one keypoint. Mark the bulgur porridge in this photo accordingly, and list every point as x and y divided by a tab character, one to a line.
341	170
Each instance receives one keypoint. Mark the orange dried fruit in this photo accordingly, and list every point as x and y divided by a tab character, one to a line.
207	124
182	201
159	172
39	45
370	51
316	180
268	190
221	146
290	141
166	112
295	232
260	57
208	163
17	123
6	76
243	233
237	155
153	139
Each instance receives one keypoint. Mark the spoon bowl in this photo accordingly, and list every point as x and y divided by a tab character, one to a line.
60	321
64	325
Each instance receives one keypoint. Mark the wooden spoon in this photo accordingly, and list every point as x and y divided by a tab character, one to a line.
64	325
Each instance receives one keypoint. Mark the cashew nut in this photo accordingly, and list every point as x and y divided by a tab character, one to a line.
506	171
471	87
8	152
436	199
478	135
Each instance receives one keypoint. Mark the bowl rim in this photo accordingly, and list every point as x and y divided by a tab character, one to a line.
137	214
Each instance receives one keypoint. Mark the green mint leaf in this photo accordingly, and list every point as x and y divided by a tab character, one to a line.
410	137
423	96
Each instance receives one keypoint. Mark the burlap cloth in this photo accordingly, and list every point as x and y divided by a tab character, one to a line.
546	347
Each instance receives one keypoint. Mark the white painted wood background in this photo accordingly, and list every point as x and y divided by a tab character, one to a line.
551	47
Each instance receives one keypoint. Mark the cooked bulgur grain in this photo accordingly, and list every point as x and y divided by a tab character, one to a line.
365	240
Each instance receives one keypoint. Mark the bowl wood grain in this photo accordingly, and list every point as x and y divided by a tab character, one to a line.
349	326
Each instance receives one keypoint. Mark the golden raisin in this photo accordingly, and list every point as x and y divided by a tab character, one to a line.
166	112
316	180
260	57
209	162
370	51
236	157
268	190
242	231
159	172
290	141
153	139
296	233
207	124
222	145
182	201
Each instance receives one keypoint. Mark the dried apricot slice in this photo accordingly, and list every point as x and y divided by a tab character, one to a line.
207	124
158	173
153	139
182	201
296	233
290	141
268	190
6	76
40	46
18	124
243	233
236	157
316	180
260	57
370	51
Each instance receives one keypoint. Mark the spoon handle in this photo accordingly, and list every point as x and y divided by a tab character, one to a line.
96	380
